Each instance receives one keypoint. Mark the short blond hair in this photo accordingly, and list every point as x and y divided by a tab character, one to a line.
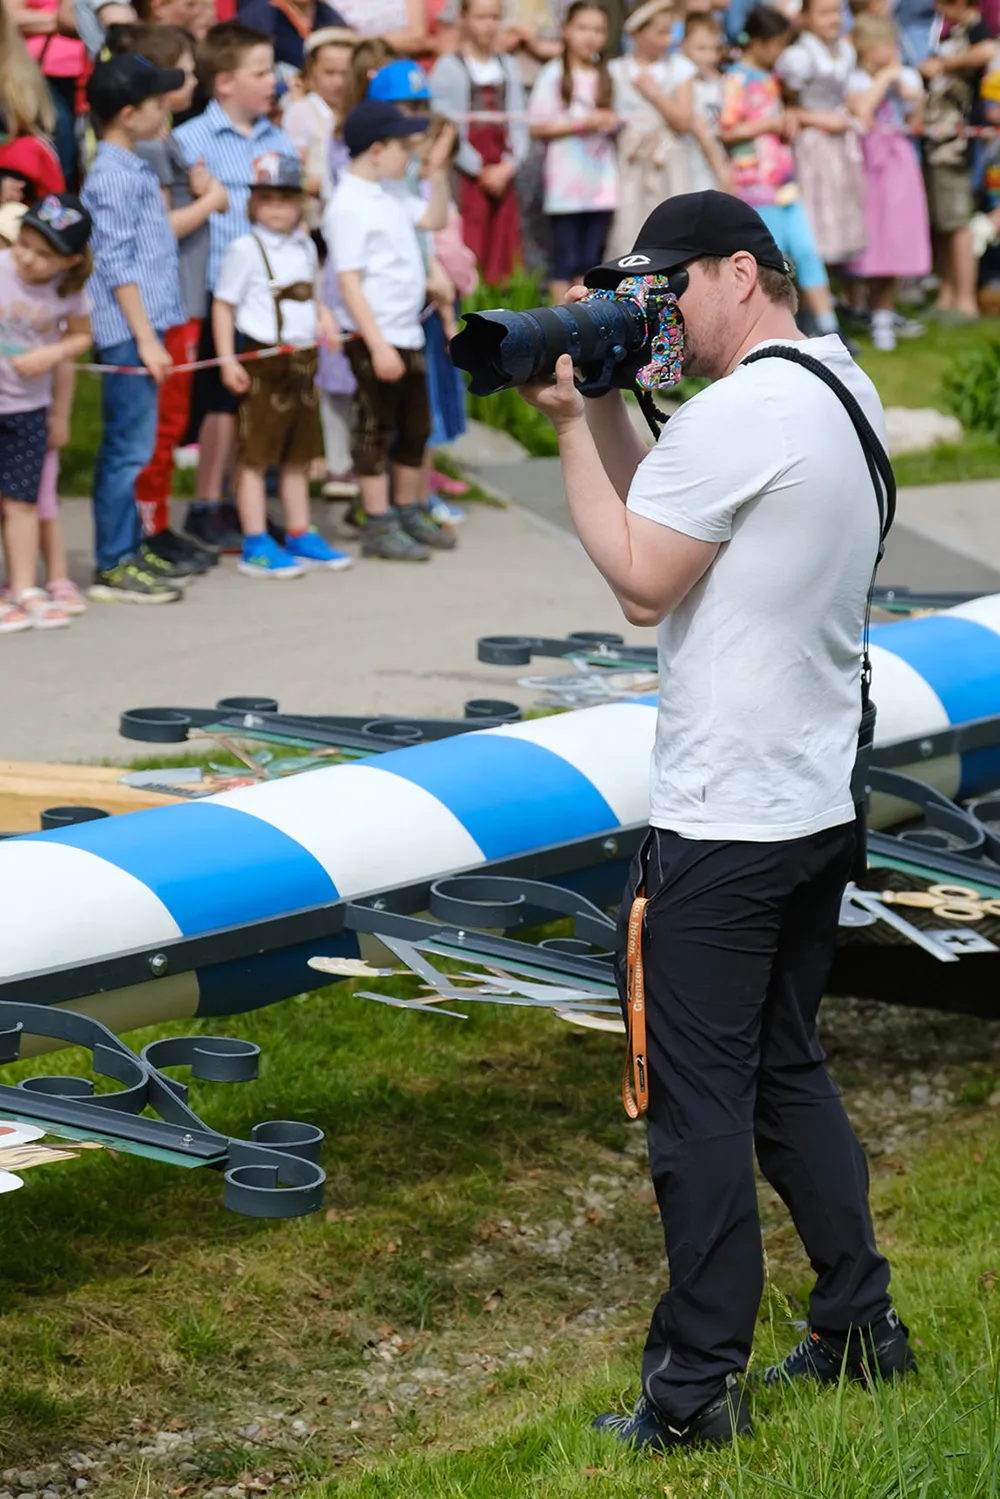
871	31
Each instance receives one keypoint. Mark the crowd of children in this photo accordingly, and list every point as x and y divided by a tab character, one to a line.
303	234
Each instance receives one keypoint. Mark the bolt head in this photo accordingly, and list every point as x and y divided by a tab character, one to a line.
609	847
158	964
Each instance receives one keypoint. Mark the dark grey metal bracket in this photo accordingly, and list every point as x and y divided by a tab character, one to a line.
518	650
275	1174
259	717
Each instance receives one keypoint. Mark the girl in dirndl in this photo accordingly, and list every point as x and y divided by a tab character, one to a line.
654	95
888	102
828	161
477	80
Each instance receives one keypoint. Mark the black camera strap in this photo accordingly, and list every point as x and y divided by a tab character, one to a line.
884	484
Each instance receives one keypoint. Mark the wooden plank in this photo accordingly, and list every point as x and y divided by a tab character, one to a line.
28	787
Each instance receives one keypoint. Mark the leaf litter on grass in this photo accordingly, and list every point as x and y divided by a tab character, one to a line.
480	1282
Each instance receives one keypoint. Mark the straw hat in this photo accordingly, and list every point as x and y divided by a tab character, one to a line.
645	13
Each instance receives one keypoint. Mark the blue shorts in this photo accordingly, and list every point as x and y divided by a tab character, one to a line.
24	440
793	235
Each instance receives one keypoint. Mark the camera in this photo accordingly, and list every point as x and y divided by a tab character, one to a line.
625	337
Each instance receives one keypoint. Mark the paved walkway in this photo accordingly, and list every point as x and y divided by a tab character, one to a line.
382	638
385	638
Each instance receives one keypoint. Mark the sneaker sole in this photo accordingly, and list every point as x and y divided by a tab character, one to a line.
106	595
50	624
282	574
15	629
381	557
337	565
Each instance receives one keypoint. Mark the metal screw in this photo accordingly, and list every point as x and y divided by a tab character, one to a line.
378	905
461	936
187	1140
158	964
609	847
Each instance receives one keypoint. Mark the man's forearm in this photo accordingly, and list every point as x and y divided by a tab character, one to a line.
619	445
596	508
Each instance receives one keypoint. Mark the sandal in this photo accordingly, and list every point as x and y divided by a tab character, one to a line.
13	619
65	593
42	612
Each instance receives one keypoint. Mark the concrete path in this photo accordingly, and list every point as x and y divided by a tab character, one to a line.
382	638
385	638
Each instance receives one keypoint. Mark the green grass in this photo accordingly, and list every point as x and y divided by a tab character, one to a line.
478	1285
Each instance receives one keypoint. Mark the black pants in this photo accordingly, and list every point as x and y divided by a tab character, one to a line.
738	943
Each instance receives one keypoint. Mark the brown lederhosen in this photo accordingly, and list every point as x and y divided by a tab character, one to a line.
279	415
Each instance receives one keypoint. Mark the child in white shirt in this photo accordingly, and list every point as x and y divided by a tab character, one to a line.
708	162
371	233
265	296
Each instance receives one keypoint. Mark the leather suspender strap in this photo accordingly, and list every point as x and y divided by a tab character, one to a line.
635	1077
273	287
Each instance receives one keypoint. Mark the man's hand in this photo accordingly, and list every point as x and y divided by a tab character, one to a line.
560	400
58	435
234	377
387	363
155	358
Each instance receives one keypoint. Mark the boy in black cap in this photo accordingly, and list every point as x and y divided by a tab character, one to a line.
372	236
136	296
44	323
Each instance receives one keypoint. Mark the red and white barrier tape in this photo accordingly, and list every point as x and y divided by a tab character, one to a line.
198	364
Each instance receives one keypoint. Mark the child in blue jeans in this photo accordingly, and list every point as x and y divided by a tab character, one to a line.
136	297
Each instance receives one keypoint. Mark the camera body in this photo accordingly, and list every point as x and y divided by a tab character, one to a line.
625	337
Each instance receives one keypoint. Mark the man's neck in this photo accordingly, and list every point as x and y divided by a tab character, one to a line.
772	323
117	135
238	118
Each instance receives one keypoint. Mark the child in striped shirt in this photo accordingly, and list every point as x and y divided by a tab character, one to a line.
236	65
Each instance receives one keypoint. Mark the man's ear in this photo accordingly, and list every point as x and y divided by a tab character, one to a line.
744	272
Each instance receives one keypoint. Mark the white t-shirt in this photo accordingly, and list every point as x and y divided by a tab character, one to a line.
243	281
369	229
759	666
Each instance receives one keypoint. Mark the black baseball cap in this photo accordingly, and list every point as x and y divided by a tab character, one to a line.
687	227
128	79
376	120
61	219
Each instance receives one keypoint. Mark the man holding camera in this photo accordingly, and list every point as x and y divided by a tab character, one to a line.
748	535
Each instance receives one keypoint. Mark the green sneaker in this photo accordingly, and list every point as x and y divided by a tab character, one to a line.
418	524
384	537
129	582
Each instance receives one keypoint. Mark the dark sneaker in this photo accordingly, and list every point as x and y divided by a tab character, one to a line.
179	573
383	536
213	526
722	1421
880	1351
418	524
129	582
173	547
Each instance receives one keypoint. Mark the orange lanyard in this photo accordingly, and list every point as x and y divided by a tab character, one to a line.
635	1099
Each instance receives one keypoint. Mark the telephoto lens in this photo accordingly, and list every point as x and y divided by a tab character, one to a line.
501	349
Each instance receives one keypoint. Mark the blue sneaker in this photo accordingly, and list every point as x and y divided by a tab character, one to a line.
312	551
443	513
262	557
